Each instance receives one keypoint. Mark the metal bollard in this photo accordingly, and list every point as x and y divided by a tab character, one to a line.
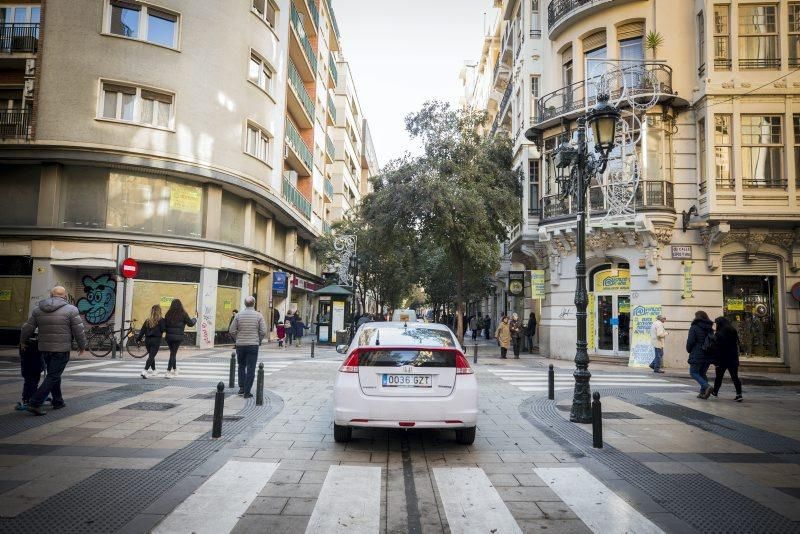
597	421
312	347
551	383
475	353
219	406
260	385
232	376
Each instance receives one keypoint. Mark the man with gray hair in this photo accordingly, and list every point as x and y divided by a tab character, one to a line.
58	322
248	328
657	336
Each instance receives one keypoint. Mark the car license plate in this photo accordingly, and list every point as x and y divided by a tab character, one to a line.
407	381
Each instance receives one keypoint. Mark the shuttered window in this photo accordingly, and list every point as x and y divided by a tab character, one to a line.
630	30
596	40
738	264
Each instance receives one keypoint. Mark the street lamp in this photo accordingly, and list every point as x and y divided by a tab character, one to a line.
354	264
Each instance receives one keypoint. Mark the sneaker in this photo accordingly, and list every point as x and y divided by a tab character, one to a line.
241	391
713	393
21	406
707	392
36	410
659	371
699	395
145	374
168	374
248	395
738	398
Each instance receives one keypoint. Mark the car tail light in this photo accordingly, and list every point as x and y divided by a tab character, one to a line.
350	365
462	365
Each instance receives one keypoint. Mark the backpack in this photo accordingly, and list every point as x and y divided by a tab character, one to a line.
708	344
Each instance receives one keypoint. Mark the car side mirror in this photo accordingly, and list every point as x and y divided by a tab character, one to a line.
341	349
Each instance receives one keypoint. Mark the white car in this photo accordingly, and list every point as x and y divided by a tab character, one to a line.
405	375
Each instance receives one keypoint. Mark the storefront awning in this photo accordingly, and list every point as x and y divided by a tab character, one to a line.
333	290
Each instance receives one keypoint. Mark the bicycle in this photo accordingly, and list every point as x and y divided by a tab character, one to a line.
102	339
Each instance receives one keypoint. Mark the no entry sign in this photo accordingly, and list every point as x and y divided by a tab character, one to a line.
129	268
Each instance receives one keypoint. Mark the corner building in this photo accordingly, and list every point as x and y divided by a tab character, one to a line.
193	134
717	204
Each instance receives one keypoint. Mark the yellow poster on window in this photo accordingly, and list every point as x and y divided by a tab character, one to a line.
5	294
612	280
733	304
186	198
537	284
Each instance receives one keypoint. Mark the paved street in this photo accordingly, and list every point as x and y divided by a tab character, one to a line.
131	455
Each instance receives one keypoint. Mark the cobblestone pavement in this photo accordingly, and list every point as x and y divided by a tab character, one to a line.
134	455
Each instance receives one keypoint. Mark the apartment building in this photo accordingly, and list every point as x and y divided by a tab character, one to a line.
126	131
713	219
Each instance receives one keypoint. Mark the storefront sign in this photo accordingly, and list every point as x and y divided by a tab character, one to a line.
642	319
734	304
337	317
186	198
280	285
516	282
796	291
688	291
5	295
304	285
681	252
165	302
612	280
537	284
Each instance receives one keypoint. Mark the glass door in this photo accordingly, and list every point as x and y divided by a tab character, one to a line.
623	323
605	328
613	314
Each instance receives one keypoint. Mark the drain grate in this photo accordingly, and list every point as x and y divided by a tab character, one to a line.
150	406
210	418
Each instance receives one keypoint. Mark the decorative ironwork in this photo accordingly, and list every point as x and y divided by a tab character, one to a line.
559	9
19	38
15	124
345	245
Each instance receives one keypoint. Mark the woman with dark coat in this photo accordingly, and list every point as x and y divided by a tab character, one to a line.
726	354
699	361
530	331
151	332
176	320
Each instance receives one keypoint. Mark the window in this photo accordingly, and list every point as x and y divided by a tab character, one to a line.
233	213
533	184
796	126
722	37
762	151
266	11
631	53
143	22
758	36
134	104
701	50
536	20
19	194
259	73
257	144
84	193
534	96
794	34
701	154
723	147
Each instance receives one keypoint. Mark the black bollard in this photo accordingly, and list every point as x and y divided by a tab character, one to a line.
232	376
475	353
597	422
219	406
312	347
260	385
551	383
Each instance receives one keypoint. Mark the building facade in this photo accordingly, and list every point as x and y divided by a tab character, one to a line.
126	131
712	219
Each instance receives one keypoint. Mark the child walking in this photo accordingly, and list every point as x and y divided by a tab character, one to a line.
152	331
281	333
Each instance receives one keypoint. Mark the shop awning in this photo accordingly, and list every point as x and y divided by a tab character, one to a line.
333	290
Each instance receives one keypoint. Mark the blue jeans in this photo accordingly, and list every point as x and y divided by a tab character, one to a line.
656	364
698	372
247	357
56	362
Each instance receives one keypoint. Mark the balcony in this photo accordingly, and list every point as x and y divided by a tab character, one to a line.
300	157
293	196
331	110
503	105
19	38
562	12
326	227
760	63
15	124
332	69
328	189
642	80
307	57
333	20
314	12
650	195
301	105
330	149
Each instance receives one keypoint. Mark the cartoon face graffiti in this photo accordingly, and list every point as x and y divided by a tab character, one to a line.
98	304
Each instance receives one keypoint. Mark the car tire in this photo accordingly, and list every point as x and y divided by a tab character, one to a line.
343	434
465	436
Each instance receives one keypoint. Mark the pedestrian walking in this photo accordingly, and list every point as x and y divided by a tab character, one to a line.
698	345
503	336
288	324
152	331
299	326
530	331
281	333
249	329
488	326
726	355
473	325
176	320
515	325
31	367
657	336
58	322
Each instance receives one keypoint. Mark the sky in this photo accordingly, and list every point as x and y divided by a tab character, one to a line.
405	52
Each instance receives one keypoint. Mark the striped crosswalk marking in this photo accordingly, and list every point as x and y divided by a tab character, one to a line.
193	370
595	504
217	505
471	503
350	501
536	380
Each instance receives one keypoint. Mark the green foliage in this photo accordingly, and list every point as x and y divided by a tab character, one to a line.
653	41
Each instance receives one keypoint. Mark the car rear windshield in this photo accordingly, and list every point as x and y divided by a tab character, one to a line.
420	336
399	358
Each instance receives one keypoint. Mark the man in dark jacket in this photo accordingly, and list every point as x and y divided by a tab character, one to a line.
699	359
248	329
58	322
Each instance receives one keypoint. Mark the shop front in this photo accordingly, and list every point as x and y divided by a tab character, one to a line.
610	310
229	295
303	299
15	289
161	284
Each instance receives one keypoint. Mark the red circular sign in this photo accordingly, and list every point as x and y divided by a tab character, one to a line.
129	268
796	291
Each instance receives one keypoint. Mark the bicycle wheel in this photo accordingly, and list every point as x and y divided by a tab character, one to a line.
100	345
137	349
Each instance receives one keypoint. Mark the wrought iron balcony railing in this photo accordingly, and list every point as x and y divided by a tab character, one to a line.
650	194
560	9
297	22
722	63
18	38
15	124
296	199
503	103
780	183
639	79
297	144
760	63
300	89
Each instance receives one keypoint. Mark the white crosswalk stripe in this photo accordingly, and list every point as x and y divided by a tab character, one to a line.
342	508
471	503
187	369
535	380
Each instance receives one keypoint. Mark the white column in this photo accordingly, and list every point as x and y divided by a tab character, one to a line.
207	307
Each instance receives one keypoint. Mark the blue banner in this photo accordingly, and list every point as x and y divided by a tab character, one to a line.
280	284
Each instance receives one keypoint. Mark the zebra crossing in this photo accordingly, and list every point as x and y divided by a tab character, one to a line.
468	501
535	380
187	369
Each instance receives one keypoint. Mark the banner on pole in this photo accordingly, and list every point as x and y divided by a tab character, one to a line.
537	284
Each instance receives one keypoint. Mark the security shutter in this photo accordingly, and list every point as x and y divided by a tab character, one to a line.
630	30
566	55
738	264
596	40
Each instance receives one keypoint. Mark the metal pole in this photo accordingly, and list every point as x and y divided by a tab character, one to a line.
260	385
312	348
581	403
551	383
219	406
597	422
232	376
475	353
